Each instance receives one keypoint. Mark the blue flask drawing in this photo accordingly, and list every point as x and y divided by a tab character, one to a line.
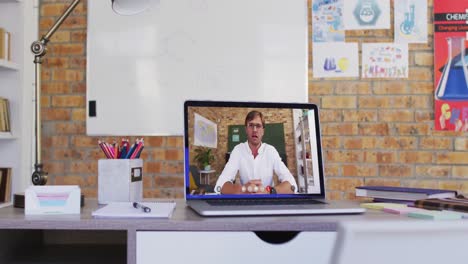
329	64
453	84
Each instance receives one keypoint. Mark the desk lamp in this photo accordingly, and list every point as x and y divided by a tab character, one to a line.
39	49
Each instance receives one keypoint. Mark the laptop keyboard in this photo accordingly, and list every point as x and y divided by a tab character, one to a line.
231	202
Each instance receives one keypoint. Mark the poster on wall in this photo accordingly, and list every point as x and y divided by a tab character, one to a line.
410	21
327	21
335	60
384	60
366	14
450	65
205	132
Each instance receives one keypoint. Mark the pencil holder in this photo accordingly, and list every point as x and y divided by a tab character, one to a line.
120	180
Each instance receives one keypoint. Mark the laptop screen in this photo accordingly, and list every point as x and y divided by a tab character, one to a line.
254	150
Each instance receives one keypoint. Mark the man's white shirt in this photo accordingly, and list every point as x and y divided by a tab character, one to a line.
261	167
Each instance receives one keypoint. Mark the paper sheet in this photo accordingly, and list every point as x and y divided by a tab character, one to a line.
126	210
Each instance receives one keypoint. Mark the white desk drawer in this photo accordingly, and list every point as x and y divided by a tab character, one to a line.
230	247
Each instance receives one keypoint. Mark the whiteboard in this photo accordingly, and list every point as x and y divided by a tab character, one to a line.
141	68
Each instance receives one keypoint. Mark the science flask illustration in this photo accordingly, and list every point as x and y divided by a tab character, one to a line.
453	84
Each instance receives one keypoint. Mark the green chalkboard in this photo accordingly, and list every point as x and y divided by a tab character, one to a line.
274	135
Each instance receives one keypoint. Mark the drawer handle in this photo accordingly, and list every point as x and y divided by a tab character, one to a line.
276	237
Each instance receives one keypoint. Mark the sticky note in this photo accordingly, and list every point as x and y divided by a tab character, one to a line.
435	215
380	206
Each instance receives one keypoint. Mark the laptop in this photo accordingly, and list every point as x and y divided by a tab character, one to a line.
255	158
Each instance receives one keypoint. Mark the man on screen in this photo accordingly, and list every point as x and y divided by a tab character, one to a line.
255	161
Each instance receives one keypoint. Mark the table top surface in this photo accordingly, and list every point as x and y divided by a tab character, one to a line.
184	219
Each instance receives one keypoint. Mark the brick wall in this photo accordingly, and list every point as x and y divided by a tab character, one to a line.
374	131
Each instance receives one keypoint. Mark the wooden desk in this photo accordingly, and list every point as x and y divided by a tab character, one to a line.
82	239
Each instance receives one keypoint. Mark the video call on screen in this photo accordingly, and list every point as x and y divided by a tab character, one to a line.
218	130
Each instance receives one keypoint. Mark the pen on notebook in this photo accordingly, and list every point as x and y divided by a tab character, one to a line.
145	209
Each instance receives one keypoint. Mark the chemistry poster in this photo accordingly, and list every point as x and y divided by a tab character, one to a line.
327	21
384	60
450	65
335	59
410	21
366	14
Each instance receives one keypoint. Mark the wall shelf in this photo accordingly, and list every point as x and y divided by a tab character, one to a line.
8	65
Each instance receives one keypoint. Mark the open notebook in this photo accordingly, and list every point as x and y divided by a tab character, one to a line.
284	175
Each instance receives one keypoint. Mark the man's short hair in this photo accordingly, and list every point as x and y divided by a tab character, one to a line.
252	114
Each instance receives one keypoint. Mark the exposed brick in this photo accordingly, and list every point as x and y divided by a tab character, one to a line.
424	58
360	116
322	89
68	101
155	141
435	143
393	87
396	143
332	169
152	167
395	171
79	114
339	102
67	49
333	115
343	156
85	141
421	88
173	168
70	180
381	181
359	143
460	172
433	171
452	158
378	129
168	181
413	129
60	37
56	114
177	142
174	154
352	88
462	144
54	167
78	36
334	195
69	128
341	129
54	62
431	184
380	157
78	166
424	115
396	115
343	184
416	157
419	73
359	170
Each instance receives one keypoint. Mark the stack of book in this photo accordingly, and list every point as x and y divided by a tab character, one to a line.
5	185
4	115
402	194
